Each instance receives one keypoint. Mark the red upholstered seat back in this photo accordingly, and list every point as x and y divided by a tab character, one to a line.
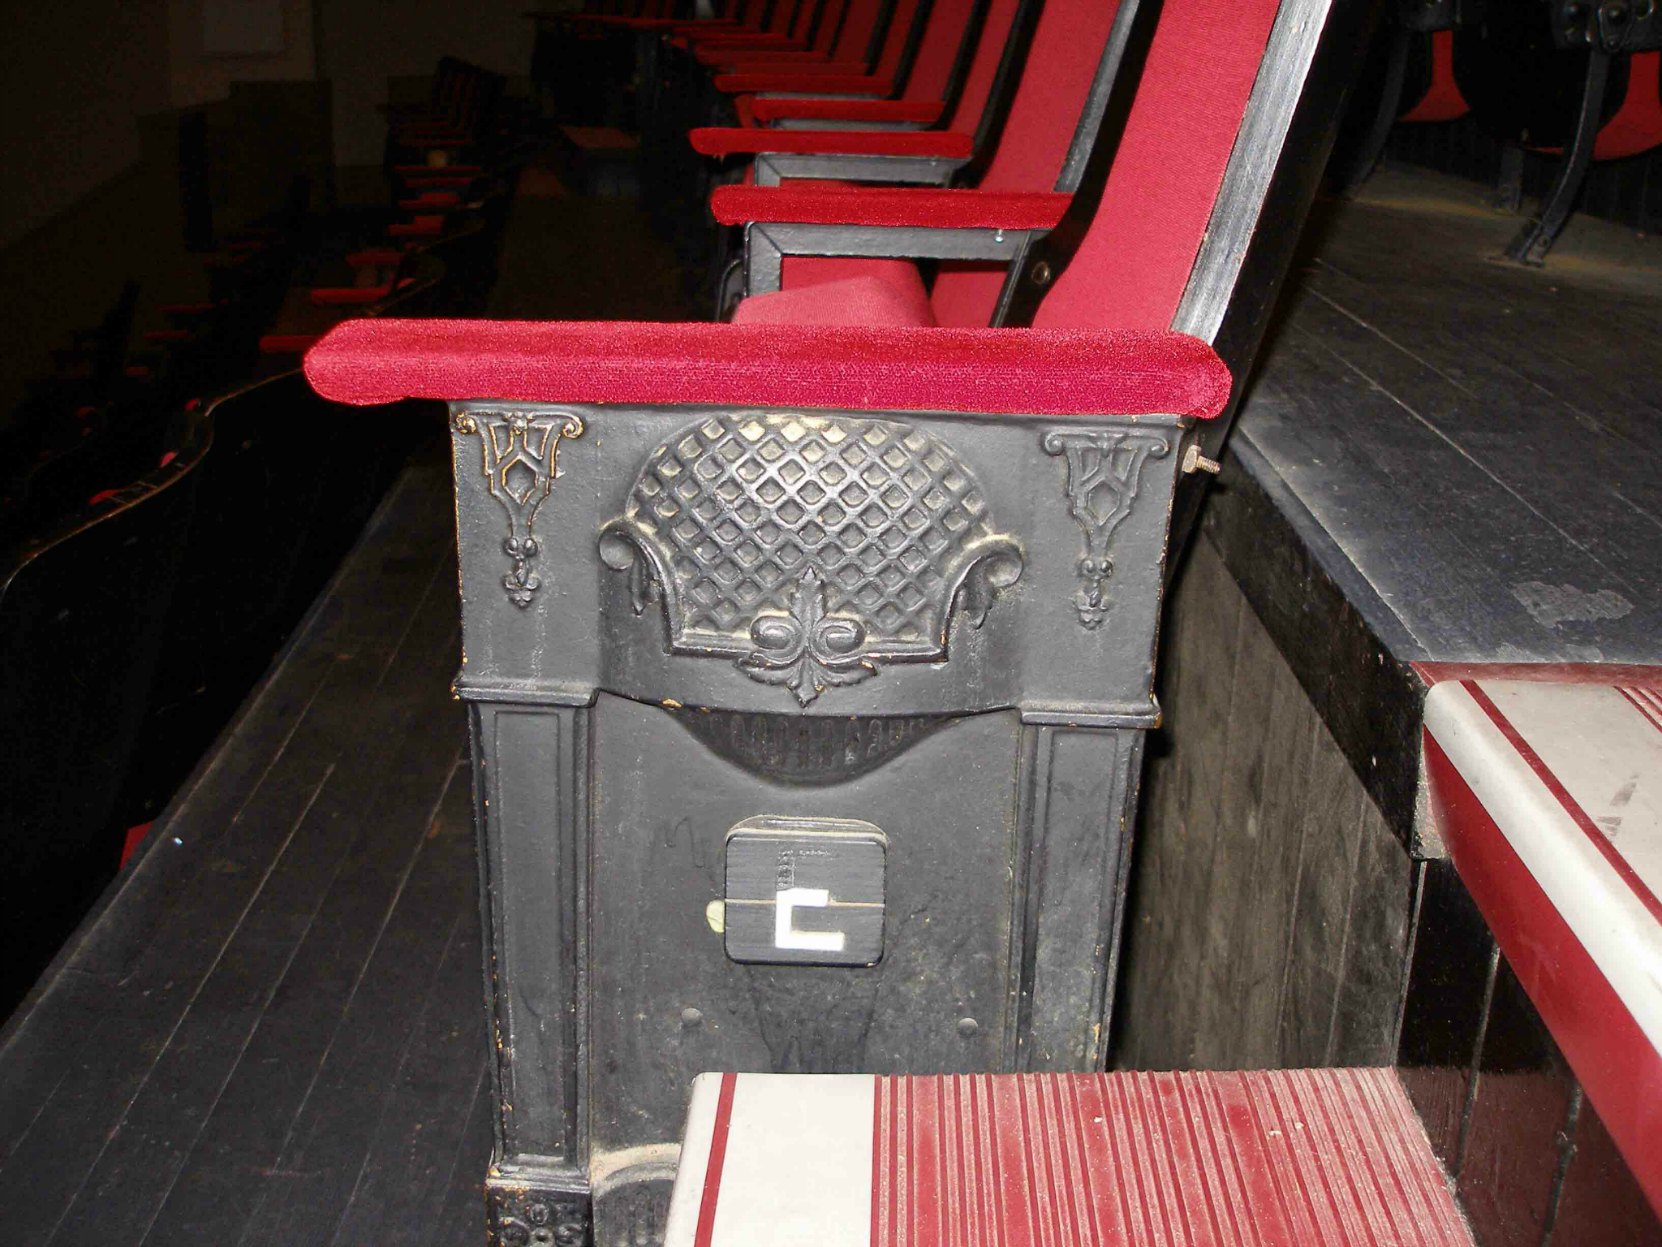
983	67
1061	63
802	20
827	25
941	36
894	38
859	23
1134	262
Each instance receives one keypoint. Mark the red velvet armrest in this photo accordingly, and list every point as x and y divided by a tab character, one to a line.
782	60
736	48
766	60
923	112
827	79
736	140
1037	371
889	206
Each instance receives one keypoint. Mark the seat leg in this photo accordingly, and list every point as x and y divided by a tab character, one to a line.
1390	102
1536	239
1509	184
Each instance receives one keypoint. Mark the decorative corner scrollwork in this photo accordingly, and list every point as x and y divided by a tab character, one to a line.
521	463
1104	470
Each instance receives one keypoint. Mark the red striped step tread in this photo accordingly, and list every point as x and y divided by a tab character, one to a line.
1283	1158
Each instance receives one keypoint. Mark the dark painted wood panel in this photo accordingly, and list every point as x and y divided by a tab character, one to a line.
1270	900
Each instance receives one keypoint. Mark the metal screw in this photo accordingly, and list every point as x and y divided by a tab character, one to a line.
1194	461
1041	273
691	1017
967	1028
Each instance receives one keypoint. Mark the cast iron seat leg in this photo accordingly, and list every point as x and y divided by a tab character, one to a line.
1390	103
1536	238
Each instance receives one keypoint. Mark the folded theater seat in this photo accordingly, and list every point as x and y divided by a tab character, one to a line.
847	37
882	69
823	242
928	73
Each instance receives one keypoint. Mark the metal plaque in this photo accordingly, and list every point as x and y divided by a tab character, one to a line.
805	891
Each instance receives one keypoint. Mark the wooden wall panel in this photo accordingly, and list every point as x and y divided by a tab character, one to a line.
1270	903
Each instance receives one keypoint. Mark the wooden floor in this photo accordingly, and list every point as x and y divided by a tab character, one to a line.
272	1034
1473	448
273	1031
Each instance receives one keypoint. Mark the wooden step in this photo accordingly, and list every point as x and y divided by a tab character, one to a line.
1292	1158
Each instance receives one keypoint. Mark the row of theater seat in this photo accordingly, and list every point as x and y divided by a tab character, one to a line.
183	496
1572	85
955	132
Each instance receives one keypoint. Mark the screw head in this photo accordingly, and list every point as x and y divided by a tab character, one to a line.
968	1028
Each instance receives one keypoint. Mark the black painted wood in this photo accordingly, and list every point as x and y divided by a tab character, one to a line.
1478	444
271	1030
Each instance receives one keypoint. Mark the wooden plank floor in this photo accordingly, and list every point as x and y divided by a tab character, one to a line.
272	1033
1478	446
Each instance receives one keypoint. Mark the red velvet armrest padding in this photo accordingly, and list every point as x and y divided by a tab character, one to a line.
915	206
769	60
923	112
715	55
736	140
1035	371
824	79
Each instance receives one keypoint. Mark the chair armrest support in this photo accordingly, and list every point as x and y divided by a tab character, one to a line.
1030	371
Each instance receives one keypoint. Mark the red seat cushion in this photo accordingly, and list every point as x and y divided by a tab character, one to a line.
735	140
882	368
915	206
842	292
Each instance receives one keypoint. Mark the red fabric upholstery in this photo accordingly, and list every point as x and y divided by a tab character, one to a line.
891	206
1442	100
375	257
436	169
932	67
1100	372
734	140
769	60
1637	125
1061	64
842	292
1135	259
352	296
723	52
825	79
983	68
922	112
420	227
